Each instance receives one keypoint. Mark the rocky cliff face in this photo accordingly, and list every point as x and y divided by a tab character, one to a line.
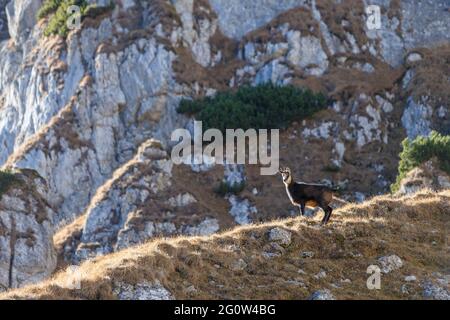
80	110
27	254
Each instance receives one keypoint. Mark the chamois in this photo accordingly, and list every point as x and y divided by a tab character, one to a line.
305	194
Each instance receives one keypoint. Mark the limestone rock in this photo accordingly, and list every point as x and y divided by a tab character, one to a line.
21	17
307	51
390	263
241	209
147	174
416	119
273	250
320	275
434	291
234	174
142	291
81	161
236	18
139	203
280	235
27	254
322	295
182	200
204	228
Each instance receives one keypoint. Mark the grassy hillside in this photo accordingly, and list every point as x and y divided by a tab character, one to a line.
245	263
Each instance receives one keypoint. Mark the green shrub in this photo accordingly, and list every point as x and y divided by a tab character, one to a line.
265	106
419	151
224	188
57	23
48	7
7	179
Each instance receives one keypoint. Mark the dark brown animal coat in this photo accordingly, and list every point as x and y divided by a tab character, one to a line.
306	194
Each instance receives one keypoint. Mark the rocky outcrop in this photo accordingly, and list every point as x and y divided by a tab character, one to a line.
242	210
416	119
21	18
140	202
122	198
427	88
418	30
428	175
27	254
390	263
88	143
436	291
280	235
77	109
322	295
236	18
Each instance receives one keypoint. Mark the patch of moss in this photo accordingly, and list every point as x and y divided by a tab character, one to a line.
421	150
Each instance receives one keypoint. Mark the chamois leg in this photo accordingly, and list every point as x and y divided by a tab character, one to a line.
328	210
302	209
329	213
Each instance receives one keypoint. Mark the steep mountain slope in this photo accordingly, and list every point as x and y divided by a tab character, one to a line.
290	259
81	110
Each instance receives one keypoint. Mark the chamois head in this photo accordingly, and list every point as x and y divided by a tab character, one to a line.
286	175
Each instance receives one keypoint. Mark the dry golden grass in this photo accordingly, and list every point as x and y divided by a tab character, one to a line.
70	234
412	227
